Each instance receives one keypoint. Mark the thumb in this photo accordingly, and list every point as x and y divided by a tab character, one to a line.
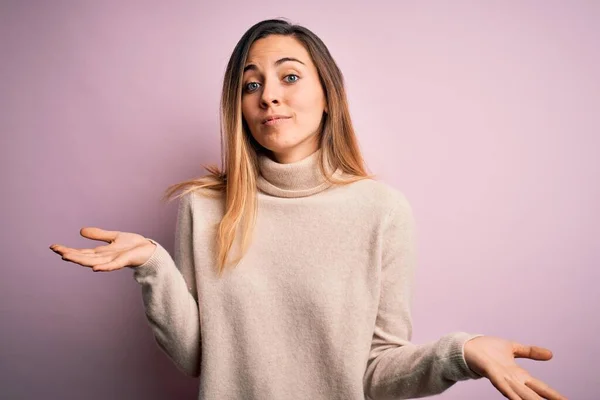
98	234
533	352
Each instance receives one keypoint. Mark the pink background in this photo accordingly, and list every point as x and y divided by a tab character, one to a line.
485	114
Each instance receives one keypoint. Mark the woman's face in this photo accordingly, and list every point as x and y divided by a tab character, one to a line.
281	80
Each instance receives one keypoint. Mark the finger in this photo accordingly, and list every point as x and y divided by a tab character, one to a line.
503	387
118	263
95	250
61	249
544	390
98	234
85	259
533	352
523	391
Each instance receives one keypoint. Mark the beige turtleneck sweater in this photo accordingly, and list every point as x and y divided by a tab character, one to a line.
319	308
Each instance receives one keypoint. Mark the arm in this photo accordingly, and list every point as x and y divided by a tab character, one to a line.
170	296
398	369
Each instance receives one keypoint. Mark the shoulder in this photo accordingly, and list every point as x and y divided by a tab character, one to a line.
208	205
380	196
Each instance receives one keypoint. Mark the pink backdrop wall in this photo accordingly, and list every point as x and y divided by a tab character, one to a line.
485	114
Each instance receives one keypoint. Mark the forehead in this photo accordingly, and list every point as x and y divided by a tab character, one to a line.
268	50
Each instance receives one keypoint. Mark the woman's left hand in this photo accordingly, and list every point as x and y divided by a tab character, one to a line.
494	358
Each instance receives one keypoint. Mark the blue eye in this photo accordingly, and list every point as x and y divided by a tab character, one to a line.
248	88
252	86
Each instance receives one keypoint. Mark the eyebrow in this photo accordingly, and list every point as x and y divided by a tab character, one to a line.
277	63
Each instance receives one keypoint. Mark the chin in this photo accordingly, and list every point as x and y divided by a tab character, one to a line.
283	142
277	143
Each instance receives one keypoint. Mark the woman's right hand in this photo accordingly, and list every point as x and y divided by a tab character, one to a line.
124	250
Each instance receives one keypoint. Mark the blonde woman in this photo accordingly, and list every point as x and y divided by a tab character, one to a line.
292	270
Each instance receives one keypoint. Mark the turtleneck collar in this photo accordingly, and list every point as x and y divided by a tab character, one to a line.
298	179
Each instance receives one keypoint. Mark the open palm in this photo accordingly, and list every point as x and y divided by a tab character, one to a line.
125	249
494	358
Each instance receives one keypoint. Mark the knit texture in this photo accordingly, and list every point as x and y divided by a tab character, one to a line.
319	307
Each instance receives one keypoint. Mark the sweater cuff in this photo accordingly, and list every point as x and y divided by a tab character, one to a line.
153	264
458	369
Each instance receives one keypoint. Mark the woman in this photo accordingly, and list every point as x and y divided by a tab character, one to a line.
292	272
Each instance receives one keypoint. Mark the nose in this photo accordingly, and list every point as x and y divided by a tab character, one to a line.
271	94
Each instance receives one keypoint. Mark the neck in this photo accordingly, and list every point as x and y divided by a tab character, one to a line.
296	155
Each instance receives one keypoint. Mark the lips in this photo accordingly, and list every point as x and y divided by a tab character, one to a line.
274	117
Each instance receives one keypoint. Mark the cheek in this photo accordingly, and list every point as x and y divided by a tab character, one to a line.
246	110
308	103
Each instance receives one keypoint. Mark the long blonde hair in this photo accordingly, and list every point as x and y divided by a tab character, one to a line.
240	151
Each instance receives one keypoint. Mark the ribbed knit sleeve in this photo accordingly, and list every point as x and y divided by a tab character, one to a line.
170	296
398	369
